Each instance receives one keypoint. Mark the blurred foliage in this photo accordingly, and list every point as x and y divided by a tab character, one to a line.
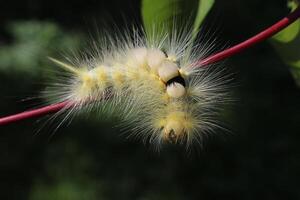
32	42
66	167
204	7
161	15
90	159
287	44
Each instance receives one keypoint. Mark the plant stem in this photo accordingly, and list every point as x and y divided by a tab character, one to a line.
34	113
265	34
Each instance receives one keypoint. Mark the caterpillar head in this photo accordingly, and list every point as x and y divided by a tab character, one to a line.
173	131
176	127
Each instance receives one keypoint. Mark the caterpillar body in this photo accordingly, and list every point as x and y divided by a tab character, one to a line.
152	81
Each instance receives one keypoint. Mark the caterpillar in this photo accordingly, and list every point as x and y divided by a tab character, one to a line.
153	82
162	85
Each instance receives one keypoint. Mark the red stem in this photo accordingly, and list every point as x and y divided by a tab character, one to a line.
33	113
206	61
265	34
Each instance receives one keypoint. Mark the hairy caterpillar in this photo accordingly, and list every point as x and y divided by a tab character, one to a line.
156	83
153	82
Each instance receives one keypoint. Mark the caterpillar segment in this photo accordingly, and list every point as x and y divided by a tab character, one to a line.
165	72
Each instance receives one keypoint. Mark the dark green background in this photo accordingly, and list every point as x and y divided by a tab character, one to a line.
91	159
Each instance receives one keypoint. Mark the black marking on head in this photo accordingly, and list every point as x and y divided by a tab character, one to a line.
177	79
172	137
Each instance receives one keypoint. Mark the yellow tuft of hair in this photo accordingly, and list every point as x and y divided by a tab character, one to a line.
66	66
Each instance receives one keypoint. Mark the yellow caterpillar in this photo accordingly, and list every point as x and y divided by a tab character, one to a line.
153	82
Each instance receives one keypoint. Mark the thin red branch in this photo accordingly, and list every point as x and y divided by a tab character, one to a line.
33	113
265	34
206	61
